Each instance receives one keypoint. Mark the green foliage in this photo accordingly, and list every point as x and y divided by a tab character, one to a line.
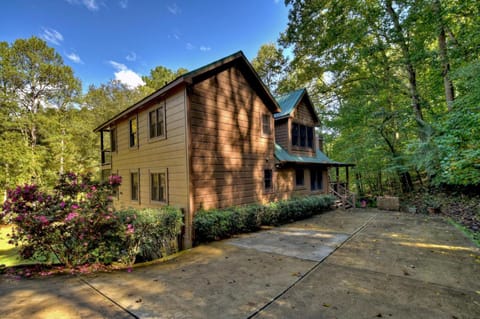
270	65
149	233
379	72
160	76
76	222
215	224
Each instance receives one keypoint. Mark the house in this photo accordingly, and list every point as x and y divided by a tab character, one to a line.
214	137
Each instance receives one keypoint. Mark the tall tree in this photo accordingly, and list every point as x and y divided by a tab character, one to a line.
33	79
160	75
270	64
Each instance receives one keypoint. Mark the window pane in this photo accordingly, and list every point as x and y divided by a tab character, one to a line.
153	123
299	177
295	134
113	139
303	135
310	137
160	124
134	186
159	187
266	124
267	178
133	132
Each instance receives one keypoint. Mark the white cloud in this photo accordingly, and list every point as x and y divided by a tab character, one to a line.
189	46
205	48
91	5
174	9
132	56
52	36
74	58
123	4
126	76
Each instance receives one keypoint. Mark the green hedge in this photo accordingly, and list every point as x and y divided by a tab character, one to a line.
216	224
150	233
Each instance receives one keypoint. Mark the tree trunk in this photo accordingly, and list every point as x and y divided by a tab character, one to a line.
412	76
442	48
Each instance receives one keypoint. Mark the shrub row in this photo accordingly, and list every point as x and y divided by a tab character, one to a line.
214	224
149	233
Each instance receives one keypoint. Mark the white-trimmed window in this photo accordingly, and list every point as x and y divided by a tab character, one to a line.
156	122
158	186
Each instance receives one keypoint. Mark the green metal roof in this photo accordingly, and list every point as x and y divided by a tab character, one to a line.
288	102
283	156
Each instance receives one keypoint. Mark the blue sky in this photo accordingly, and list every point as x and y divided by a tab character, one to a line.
106	39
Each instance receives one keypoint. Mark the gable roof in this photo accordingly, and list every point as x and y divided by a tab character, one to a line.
320	158
288	102
205	71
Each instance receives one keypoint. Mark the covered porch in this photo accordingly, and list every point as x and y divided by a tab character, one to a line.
341	188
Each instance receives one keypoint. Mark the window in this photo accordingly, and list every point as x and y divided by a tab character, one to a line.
113	139
302	135
267	179
158	187
310	137
266	128
134	179
315	179
299	177
156	121
295	134
133	132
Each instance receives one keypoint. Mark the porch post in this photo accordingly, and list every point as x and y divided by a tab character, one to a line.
347	177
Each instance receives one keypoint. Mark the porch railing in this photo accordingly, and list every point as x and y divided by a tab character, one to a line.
345	198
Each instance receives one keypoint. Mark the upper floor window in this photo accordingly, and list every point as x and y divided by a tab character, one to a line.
302	135
156	119
133	132
113	139
266	124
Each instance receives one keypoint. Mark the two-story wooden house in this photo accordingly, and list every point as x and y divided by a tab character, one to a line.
214	137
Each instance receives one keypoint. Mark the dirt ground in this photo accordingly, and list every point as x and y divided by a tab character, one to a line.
341	264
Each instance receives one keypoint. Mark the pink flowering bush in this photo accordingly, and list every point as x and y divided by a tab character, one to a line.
76	223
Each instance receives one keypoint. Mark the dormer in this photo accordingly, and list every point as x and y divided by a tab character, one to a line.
295	124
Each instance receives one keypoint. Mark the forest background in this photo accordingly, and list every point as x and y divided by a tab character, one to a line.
396	85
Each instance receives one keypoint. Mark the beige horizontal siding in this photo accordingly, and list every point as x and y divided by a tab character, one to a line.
154	155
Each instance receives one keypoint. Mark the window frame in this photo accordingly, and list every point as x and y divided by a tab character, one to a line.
133	136
302	136
159	172
316	184
270	179
135	198
157	130
297	184
113	139
266	119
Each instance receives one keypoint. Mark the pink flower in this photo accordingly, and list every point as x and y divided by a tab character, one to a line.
42	219
74	206
62	205
130	229
71	216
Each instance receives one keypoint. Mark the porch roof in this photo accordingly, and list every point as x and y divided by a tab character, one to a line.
284	157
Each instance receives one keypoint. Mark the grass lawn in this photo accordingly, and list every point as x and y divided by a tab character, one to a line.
9	253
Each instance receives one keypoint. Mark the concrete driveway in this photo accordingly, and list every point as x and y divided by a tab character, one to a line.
353	264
